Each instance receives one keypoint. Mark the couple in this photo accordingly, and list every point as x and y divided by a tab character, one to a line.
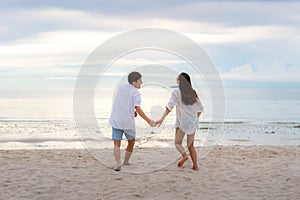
127	104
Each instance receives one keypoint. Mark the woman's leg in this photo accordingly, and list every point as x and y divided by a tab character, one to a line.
190	144
178	143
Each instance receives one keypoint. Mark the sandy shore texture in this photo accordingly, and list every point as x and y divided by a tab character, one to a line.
233	172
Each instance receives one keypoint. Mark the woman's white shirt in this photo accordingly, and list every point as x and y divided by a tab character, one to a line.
186	115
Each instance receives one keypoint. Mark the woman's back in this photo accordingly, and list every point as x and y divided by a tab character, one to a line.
186	115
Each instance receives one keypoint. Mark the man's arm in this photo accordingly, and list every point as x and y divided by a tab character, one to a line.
143	115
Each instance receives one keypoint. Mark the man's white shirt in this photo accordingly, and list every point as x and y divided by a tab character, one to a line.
122	115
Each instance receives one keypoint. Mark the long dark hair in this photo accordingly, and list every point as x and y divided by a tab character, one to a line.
188	94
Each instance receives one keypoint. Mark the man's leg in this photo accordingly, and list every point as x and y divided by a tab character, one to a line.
117	154
129	151
117	137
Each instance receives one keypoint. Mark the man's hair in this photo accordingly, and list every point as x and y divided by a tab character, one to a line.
134	77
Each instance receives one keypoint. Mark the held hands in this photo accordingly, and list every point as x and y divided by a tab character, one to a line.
159	122
152	123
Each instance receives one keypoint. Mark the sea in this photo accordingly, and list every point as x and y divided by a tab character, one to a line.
252	117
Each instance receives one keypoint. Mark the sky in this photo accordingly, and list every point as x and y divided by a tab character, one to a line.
43	44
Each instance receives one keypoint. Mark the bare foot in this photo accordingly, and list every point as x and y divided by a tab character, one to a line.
180	163
118	168
195	167
126	163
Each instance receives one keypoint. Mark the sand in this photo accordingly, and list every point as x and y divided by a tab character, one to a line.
232	172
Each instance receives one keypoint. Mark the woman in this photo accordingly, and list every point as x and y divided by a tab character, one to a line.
188	111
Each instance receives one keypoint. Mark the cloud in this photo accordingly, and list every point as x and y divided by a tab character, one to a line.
51	49
209	23
53	40
235	13
245	69
275	73
246	34
60	78
87	30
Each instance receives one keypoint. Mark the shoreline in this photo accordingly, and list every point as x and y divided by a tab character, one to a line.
65	135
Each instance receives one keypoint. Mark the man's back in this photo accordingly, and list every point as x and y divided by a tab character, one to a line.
122	115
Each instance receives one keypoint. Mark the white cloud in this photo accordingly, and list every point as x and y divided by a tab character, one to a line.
245	69
244	72
236	13
246	34
272	74
51	49
72	47
60	78
206	31
61	37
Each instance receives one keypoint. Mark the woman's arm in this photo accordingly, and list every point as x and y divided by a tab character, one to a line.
159	122
198	114
169	107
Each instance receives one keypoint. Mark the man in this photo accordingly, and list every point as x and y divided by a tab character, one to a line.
126	104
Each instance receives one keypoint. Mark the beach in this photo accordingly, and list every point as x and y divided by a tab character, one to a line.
227	172
63	66
46	156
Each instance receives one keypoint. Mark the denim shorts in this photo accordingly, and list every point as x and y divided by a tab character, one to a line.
117	134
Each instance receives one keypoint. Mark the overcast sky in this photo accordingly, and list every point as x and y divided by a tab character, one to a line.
43	45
